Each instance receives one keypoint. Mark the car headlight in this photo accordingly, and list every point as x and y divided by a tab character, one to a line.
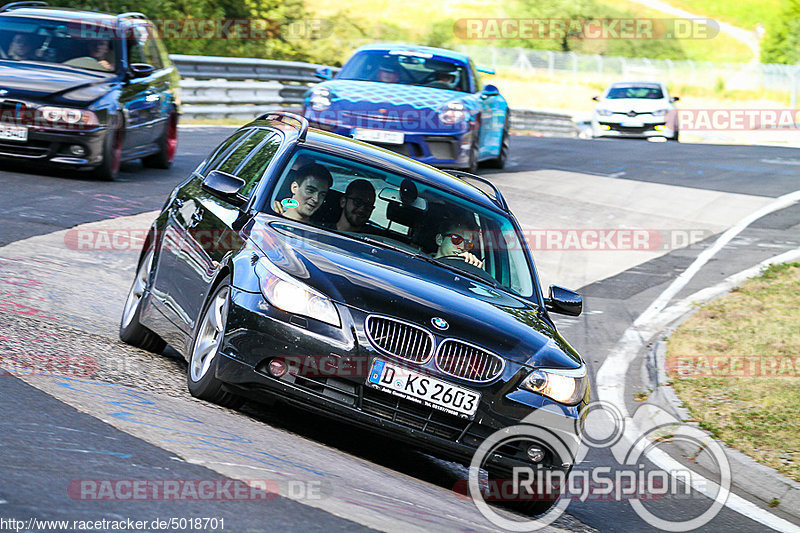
660	112
65	116
604	112
320	99
453	113
564	386
293	296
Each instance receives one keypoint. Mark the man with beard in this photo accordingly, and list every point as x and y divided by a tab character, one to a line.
357	205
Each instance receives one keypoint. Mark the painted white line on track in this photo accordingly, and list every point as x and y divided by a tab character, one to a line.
612	373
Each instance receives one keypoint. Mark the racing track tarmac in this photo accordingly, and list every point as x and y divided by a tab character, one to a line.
50	294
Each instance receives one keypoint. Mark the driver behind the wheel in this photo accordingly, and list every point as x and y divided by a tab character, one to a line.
99	50
457	237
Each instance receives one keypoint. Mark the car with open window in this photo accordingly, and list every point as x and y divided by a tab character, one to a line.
85	90
400	320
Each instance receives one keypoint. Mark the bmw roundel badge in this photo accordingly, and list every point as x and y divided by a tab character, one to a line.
439	323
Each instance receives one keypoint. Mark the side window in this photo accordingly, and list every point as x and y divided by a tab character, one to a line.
475	76
253	169
222	150
142	47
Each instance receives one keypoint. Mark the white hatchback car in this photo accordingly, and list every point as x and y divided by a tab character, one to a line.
635	109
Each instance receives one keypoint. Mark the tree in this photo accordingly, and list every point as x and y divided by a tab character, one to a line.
781	43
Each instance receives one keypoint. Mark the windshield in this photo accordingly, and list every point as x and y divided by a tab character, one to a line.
79	45
425	70
403	213
650	92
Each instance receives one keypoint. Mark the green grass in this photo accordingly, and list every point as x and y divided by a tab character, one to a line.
742	13
721	48
747	344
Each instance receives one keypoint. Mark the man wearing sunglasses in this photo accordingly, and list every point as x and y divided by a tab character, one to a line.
357	205
457	238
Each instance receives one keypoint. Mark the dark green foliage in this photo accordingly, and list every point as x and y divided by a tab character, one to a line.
781	43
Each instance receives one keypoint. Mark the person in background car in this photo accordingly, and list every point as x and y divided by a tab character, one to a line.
357	205
457	238
388	73
309	187
21	47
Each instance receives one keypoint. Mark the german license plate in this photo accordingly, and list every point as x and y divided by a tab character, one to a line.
423	389
13	133
379	136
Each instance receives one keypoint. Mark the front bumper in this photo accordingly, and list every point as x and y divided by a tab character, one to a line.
610	127
55	147
257	333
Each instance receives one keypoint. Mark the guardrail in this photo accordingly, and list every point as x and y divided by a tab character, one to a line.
241	88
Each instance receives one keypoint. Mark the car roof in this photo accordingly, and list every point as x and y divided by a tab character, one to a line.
63	14
441	52
350	148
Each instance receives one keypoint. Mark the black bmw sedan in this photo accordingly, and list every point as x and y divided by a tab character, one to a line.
85	90
345	279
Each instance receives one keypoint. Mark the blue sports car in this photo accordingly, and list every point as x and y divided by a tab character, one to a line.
425	103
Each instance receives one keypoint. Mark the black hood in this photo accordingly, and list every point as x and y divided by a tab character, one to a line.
40	81
377	280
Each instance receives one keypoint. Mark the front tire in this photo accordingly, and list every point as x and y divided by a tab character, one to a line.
167	145
108	169
201	381
131	330
529	503
505	146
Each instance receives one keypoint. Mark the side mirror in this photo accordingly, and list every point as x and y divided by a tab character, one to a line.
226	186
489	91
674	99
564	301
323	73
596	98
141	70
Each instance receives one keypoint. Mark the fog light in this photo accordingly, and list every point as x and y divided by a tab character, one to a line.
77	150
535	454
277	367
605	127
660	127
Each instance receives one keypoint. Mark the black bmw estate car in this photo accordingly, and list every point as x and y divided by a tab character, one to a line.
85	90
346	279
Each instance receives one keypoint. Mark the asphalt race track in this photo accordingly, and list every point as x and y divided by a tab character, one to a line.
125	414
